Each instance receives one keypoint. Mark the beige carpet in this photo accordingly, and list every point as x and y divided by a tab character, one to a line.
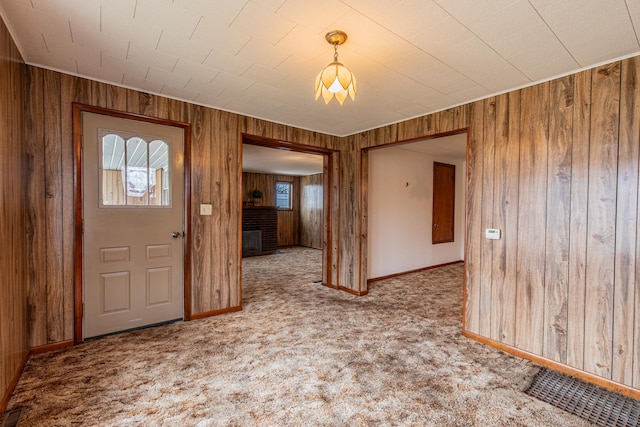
299	354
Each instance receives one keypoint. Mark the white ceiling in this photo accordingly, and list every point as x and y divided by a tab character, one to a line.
260	57
279	161
452	146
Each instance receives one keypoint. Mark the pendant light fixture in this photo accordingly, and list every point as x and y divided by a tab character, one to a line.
335	80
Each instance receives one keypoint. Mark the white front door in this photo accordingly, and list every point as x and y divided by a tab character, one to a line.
133	210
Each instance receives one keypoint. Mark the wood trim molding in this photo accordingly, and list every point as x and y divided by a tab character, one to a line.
33	350
431	267
187	223
14	382
552	364
353	292
77	110
46	348
263	141
364	208
333	217
211	313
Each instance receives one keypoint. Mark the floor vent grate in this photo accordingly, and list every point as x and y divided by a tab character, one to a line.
588	401
12	418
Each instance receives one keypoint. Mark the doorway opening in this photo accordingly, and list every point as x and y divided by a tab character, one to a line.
289	201
400	198
131	203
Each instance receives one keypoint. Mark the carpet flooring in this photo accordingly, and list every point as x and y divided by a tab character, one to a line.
299	354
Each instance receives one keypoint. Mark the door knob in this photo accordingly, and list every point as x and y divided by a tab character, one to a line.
175	234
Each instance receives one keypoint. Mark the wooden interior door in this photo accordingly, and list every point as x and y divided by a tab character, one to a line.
444	196
133	215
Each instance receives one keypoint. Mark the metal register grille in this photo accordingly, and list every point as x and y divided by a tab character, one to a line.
588	401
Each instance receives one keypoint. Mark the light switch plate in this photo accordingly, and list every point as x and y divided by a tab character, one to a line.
206	209
492	233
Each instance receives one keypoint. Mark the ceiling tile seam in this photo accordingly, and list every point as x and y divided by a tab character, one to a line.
214	77
207	57
555	35
45	43
196	27
237	15
243	46
635	31
159	38
419	48
175	65
487	44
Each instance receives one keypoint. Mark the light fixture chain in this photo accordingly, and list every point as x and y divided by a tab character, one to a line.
335	52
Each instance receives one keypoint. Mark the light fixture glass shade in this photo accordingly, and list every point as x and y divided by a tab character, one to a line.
335	80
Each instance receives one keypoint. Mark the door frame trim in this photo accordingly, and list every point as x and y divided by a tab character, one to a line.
78	273
331	202
364	200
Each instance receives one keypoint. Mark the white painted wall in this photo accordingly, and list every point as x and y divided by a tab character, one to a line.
400	212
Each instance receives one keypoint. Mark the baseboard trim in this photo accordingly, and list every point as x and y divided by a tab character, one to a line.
431	267
211	313
46	348
353	292
556	366
14	382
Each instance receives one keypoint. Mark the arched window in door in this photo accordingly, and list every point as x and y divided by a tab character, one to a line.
133	172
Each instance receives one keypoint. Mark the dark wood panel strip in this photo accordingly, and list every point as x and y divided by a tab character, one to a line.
532	209
203	168
625	316
53	193
486	221
473	215
227	186
35	211
603	160
578	218
558	214
505	214
116	98
99	94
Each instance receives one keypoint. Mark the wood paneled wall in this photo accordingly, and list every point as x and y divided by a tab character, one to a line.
555	166
311	214
13	296
561	284
288	220
216	175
